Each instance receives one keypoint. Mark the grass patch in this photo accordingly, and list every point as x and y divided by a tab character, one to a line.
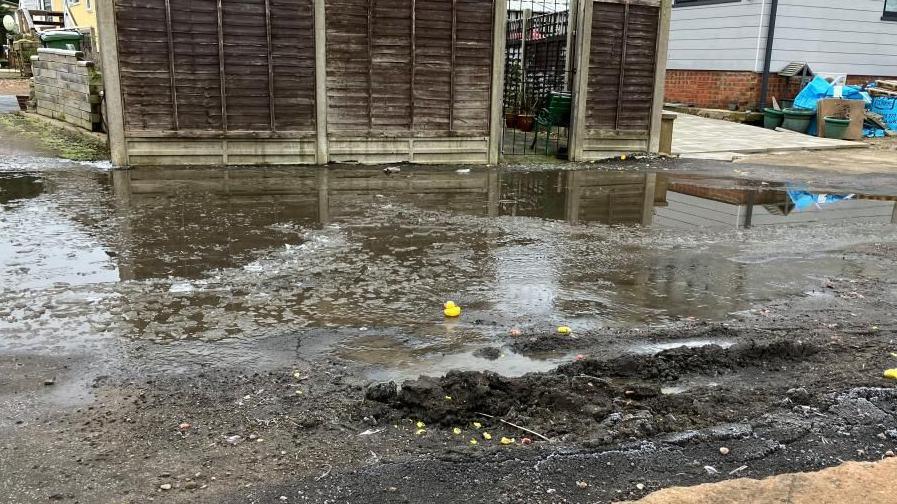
66	144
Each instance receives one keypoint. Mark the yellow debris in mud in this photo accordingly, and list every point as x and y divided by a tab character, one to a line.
451	310
477	425
420	432
506	441
891	373
473	441
564	330
487	436
420	425
456	431
448	398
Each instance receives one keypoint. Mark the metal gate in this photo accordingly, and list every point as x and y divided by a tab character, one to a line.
537	85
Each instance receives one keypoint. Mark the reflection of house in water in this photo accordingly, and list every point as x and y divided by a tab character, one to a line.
693	205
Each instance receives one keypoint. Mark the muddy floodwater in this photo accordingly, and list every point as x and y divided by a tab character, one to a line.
230	335
262	266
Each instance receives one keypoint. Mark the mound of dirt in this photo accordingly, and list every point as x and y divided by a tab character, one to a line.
605	399
670	365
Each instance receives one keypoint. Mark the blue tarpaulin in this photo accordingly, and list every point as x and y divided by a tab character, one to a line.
886	107
819	88
804	200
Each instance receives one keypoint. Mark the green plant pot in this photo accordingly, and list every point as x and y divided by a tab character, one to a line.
772	118
797	120
836	128
786	103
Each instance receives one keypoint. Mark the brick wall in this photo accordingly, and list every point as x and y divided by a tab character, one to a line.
720	89
66	87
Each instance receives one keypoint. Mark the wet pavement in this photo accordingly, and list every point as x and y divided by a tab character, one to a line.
172	269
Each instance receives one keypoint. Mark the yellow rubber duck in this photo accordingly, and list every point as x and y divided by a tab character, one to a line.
451	310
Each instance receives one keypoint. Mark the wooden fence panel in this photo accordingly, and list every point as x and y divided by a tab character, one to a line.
179	57
293	55
473	67
194	26
409	65
246	65
391	64
235	80
145	65
621	66
433	66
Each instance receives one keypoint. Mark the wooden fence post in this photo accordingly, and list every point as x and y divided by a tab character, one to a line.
572	19
660	72
322	147
497	121
115	124
581	82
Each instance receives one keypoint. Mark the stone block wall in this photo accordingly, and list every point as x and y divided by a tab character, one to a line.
67	88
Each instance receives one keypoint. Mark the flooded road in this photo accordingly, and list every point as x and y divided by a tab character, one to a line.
168	269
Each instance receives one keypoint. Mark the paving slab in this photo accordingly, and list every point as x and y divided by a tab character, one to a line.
857	482
693	135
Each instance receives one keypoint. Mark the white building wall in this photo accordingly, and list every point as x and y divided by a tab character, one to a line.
717	37
831	36
838	37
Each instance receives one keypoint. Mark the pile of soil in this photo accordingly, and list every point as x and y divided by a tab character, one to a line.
591	398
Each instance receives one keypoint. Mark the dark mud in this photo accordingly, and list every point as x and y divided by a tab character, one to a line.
583	397
318	432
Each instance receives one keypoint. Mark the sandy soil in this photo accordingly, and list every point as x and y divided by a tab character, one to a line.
871	483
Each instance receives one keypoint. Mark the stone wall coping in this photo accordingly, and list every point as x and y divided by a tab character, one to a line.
60	52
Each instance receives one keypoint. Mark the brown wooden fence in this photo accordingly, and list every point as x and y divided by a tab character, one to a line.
314	81
409	65
217	65
623	46
228	81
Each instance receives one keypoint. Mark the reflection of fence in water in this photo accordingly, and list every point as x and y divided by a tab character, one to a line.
532	195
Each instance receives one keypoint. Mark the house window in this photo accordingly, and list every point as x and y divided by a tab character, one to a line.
691	3
890	10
